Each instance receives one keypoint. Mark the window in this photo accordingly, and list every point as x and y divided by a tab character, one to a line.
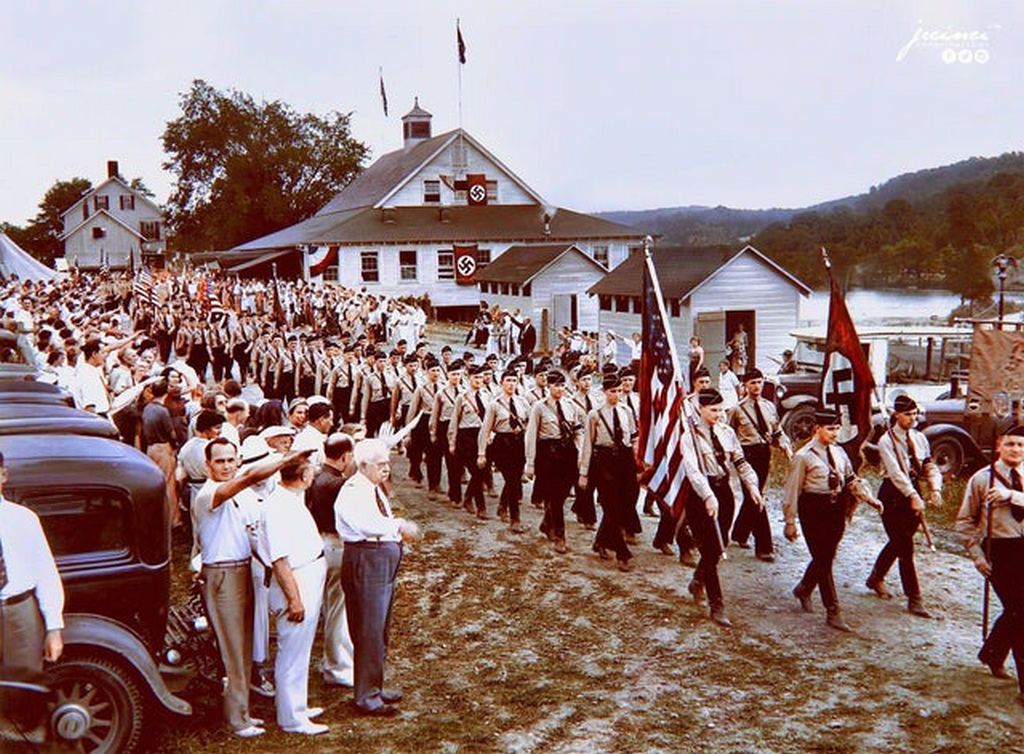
492	192
605	303
82	526
331	274
150	230
460	196
636	250
515	289
637	305
407	265
101	202
527	289
446	265
127	201
601	255
85	210
368	264
673	304
622	304
431	192
417	129
483	258
99	233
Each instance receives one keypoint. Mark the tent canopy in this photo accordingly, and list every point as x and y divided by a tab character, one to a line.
16	261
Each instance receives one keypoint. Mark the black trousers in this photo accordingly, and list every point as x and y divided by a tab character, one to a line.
751	519
555	467
163	343
340	401
199	359
221	362
671	529
286	389
466	453
451	464
823	521
709	542
376	414
611	469
508	453
241	356
583	505
419	445
900	522
1007	632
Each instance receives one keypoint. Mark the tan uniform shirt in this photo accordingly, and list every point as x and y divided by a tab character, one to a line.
743	419
444	407
598	429
972	520
809	471
466	414
499	419
544	425
894	448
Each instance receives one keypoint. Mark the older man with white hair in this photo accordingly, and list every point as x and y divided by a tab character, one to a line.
373	540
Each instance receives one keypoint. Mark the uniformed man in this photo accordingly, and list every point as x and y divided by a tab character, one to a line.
31	593
339	390
606	453
463	433
630	401
991	522
440	419
583	504
418	444
551	455
401	399
712	453
501	439
906	458
376	398
819	489
756	423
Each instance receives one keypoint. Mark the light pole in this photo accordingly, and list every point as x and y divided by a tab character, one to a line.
1002	264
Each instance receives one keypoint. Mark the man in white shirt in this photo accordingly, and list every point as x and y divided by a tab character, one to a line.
31	593
295	551
313	436
237	412
227	579
90	384
373	553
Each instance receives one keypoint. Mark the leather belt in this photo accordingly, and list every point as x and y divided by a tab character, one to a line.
229	563
17	598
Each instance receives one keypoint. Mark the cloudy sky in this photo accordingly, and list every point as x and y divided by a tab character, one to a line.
598	104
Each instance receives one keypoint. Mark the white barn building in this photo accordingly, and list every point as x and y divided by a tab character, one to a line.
405	224
709	293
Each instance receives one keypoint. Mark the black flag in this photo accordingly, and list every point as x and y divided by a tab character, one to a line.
461	42
383	94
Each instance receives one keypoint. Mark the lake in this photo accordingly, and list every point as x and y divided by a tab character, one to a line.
882	306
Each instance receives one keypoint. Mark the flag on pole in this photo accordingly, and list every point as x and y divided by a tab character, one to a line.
383	94
461	42
661	418
846	380
142	287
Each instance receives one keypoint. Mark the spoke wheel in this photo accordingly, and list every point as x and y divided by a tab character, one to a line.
98	706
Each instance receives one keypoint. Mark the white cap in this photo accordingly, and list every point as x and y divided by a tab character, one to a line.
254	448
276	430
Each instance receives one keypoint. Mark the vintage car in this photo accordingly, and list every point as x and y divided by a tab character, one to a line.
48	418
101	504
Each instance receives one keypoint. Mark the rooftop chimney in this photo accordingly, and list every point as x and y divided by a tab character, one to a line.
112	170
416	125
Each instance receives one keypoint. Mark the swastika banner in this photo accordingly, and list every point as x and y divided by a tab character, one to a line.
465	265
997	372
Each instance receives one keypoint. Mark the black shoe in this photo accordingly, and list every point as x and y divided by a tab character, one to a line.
718	616
878	587
744	545
805	600
835	619
914	607
696	589
392	696
767	557
384	710
995	668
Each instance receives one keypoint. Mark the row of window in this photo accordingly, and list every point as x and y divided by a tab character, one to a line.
125	201
432	192
506	289
632	305
150	230
408	265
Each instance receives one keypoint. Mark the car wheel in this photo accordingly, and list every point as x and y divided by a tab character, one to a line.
948	455
98	708
798	424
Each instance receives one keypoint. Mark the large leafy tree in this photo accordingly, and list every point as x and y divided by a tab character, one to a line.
247	168
40	236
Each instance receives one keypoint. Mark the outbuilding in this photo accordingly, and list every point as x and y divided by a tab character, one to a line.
710	293
546	283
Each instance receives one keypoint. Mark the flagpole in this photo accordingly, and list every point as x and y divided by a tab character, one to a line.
458	63
649	261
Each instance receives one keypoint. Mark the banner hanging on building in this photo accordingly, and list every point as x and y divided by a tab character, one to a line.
465	265
476	189
997	372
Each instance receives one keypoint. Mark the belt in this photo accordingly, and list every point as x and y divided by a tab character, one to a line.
196	481
370	543
229	563
11	601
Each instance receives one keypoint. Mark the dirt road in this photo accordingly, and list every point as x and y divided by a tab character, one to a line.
501	645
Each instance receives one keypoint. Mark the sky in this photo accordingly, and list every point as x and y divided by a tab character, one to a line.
597	105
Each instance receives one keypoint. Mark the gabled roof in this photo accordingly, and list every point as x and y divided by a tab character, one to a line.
119	180
491	223
681	271
390	172
521	264
93	216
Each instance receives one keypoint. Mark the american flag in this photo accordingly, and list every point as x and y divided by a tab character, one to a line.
142	287
661	401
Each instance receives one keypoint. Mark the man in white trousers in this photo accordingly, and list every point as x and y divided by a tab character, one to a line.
295	550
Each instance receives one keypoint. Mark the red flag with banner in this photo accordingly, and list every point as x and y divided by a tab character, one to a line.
846	380
321	258
465	265
476	189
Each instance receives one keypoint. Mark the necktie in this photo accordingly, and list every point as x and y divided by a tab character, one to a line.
513	414
479	405
380	502
762	425
563	429
3	567
915	462
1016	510
586	400
719	450
616	427
384	387
833	476
349	370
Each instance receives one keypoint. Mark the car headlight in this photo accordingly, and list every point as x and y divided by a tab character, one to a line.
201	624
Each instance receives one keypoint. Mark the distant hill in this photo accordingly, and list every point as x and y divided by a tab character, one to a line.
701	226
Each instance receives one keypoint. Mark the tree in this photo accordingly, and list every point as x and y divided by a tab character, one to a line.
245	169
41	235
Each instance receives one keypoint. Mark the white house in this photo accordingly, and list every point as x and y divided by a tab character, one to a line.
424	219
546	283
111	223
709	293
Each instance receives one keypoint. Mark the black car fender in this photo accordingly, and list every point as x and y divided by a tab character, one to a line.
791	401
83	630
971	449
